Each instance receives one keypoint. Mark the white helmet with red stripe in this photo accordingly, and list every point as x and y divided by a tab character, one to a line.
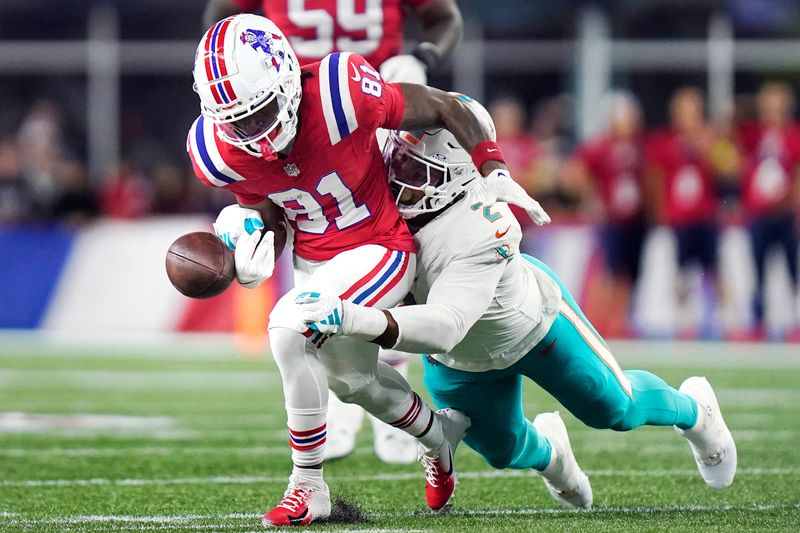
248	80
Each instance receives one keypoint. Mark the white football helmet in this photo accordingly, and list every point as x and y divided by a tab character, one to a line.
431	165
248	80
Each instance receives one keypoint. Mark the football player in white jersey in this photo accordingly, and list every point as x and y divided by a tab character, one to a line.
489	315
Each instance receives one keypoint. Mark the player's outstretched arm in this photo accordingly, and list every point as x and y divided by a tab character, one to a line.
434	327
426	107
217	10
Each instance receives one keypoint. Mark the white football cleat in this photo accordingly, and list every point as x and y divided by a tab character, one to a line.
440	472
710	439
563	477
393	446
344	422
304	502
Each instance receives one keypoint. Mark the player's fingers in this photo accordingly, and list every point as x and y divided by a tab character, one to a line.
266	247
245	249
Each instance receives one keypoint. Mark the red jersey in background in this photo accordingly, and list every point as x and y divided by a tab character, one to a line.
772	157
315	28
617	168
688	182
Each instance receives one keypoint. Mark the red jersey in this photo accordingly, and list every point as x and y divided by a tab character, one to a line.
688	183
333	185
617	168
315	28
772	157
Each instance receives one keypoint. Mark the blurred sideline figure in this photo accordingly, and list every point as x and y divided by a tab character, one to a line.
681	193
519	147
377	35
613	166
771	184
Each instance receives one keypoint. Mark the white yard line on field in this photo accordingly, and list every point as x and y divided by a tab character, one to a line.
401	476
196	520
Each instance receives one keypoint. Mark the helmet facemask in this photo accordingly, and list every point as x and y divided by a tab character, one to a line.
268	127
425	183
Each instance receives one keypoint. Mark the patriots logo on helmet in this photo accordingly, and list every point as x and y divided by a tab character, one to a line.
261	40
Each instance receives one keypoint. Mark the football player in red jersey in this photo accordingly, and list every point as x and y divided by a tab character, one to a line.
613	163
681	188
771	185
374	30
298	145
317	28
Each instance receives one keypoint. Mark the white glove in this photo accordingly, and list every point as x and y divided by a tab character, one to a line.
498	186
321	312
330	315
234	220
254	259
404	68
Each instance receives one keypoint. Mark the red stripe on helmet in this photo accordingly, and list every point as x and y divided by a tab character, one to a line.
207	59
220	51
217	97
229	90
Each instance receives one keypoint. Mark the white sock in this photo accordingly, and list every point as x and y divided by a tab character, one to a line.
309	476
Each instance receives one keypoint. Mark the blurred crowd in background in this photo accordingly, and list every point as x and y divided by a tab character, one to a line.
695	175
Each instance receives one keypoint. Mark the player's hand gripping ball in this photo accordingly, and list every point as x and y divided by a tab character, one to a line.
199	265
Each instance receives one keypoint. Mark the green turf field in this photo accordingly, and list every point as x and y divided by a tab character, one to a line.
198	443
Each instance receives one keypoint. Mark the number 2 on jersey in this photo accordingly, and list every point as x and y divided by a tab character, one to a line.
299	202
324	23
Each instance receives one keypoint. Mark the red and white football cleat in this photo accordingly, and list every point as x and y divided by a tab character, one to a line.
302	503
440	477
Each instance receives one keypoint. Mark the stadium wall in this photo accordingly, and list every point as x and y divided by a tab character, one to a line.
109	277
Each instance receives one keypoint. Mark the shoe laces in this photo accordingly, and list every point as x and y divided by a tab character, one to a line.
293	499
431	466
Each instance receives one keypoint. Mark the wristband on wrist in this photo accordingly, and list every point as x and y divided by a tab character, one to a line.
428	53
486	151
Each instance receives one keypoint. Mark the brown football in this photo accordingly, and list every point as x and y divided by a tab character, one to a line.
199	265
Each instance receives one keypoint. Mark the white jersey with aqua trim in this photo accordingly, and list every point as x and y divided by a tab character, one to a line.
481	306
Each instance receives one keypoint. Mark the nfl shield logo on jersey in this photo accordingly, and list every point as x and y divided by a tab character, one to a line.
292	170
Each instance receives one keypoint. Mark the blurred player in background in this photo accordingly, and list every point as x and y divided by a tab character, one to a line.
771	183
488	316
613	163
681	192
299	145
519	147
316	28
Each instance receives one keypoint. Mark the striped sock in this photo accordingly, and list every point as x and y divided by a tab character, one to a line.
416	418
308	443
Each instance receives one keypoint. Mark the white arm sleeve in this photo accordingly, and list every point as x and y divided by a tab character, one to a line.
458	298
